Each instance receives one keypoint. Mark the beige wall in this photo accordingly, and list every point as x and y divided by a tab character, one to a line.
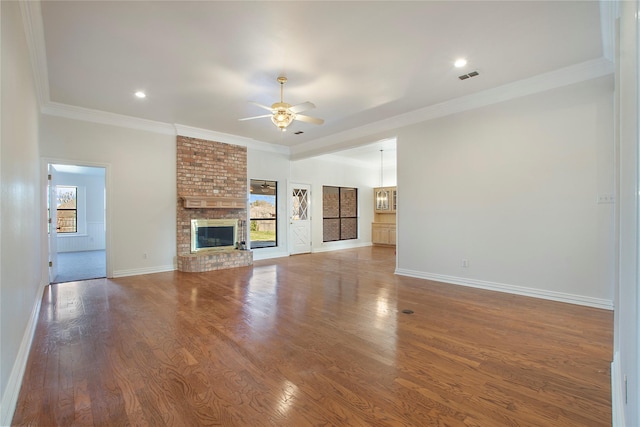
20	211
322	171
513	188
141	187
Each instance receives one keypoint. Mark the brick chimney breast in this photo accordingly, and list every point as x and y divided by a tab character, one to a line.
206	169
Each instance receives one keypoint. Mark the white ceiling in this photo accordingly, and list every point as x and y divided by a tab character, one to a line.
360	62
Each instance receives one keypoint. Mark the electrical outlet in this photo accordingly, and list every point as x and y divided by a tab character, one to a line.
465	263
605	199
144	255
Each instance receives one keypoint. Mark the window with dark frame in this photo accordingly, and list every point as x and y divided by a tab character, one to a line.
263	213
339	213
66	209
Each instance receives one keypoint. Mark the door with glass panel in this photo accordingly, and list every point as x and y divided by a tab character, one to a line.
300	219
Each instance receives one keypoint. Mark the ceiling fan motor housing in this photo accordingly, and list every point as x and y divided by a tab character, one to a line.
282	117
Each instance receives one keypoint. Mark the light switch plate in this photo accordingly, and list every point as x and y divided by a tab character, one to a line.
605	199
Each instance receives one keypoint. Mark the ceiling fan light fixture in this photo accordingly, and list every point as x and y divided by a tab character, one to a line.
283	114
283	118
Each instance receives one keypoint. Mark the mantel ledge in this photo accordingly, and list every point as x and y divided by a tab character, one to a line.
211	202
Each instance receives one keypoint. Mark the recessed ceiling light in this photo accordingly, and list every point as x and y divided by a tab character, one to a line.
460	63
140	94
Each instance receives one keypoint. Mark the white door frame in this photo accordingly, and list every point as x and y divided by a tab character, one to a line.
51	220
45	161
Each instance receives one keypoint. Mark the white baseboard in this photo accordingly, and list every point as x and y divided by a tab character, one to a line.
617	393
265	253
260	254
10	397
139	271
338	246
511	289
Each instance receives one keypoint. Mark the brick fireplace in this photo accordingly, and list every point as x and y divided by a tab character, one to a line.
211	184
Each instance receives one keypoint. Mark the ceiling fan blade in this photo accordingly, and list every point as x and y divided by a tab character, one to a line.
308	119
255	117
302	107
261	106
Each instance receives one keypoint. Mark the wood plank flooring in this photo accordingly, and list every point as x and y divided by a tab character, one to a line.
312	340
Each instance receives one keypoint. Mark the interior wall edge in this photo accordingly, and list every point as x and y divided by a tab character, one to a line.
617	399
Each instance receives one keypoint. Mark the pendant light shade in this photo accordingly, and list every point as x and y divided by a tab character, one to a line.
283	118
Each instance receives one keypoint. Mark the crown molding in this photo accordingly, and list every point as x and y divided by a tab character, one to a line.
105	118
96	116
32	20
540	83
34	33
227	138
609	11
387	128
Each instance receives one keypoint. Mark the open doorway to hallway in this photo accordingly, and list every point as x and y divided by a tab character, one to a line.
77	222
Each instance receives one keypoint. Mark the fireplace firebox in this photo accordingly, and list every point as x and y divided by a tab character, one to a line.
213	234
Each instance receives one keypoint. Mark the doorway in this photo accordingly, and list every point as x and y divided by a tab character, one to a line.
300	219
76	206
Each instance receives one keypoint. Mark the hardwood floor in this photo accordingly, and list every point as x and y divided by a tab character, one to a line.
318	339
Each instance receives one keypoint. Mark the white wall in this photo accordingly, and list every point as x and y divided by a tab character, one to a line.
626	409
141	187
319	172
21	282
389	175
513	189
275	167
91	214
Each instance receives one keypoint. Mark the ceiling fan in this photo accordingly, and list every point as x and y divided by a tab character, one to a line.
266	187
283	114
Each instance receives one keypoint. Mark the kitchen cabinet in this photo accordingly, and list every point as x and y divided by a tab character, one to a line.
383	233
383	227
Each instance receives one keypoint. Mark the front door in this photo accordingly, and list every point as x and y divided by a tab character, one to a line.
300	219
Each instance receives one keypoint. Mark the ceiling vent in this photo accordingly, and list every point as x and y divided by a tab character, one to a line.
466	76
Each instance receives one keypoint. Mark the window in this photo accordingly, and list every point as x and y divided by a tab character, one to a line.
263	218
339	213
67	209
